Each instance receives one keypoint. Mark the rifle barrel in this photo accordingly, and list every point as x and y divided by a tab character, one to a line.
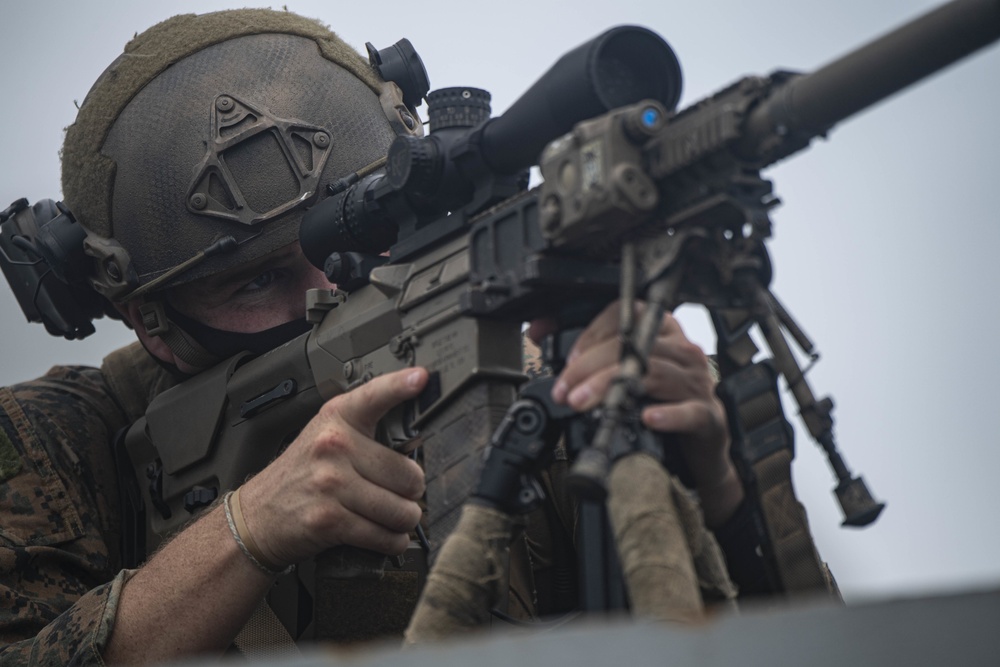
811	104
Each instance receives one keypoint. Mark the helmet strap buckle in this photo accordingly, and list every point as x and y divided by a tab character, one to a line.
154	320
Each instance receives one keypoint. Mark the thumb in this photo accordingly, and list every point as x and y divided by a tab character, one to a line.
363	407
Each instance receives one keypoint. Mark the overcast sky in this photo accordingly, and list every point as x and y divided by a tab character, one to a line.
885	247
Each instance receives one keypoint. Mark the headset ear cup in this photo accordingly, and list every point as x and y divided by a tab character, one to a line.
59	240
45	263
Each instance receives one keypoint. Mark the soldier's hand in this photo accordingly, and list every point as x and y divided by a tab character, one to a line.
678	380
335	484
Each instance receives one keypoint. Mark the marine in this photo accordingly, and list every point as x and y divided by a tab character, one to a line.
189	167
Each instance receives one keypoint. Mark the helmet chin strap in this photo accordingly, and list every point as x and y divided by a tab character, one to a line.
202	346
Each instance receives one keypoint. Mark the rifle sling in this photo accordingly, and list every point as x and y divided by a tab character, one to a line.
795	554
763	447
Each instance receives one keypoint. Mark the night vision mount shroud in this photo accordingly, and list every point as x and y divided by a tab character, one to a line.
401	64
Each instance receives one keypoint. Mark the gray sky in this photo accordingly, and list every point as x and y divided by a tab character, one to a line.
884	247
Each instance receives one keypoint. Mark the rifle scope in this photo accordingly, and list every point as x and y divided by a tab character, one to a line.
445	171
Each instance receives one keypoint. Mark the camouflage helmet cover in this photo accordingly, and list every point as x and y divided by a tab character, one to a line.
215	125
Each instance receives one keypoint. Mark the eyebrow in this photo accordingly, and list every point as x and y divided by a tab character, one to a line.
244	273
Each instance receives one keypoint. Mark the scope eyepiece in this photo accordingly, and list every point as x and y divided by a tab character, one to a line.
350	221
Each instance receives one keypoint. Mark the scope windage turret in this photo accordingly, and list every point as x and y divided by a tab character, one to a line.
622	66
424	167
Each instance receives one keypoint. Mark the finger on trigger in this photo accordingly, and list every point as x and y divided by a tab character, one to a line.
364	406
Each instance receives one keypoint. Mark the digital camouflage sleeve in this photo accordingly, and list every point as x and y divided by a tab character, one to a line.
59	519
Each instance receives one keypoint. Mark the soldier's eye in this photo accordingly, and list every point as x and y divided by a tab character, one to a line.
263	281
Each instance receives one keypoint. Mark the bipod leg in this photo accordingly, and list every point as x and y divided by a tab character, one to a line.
619	420
621	476
600	585
856	501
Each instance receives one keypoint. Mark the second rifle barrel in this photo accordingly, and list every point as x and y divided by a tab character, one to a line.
813	103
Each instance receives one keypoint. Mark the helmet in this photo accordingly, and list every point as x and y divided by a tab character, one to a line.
198	149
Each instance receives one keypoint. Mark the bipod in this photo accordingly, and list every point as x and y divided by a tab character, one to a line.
523	446
623	470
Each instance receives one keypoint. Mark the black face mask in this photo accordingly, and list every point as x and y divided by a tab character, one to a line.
225	344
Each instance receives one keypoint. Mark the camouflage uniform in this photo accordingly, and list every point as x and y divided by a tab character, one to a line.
60	519
60	523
